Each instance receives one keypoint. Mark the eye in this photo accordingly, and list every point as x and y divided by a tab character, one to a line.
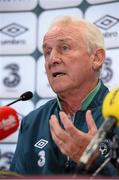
65	47
47	52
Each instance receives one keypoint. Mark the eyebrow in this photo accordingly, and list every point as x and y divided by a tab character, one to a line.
59	40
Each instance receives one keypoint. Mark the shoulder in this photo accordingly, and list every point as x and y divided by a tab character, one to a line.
99	97
96	104
39	114
46	107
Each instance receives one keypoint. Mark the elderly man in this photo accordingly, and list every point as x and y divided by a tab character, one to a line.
53	137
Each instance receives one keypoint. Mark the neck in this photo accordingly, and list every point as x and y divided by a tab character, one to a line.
71	101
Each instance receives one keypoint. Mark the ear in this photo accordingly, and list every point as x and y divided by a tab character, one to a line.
99	57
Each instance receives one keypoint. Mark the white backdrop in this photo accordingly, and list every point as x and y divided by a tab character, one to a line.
23	24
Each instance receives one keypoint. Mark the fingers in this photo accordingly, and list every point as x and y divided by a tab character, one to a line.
57	131
68	134
70	140
69	126
57	141
90	123
59	135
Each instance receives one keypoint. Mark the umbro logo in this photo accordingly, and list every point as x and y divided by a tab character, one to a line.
41	144
106	22
13	30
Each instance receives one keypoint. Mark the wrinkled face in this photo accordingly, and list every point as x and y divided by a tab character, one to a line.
67	62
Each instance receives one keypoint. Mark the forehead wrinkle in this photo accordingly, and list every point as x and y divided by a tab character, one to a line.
60	40
58	31
50	36
73	33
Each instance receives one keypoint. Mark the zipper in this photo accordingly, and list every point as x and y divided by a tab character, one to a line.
68	162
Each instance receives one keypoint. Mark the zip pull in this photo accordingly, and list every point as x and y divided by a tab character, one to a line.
67	164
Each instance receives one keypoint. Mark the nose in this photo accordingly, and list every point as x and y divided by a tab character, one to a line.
55	57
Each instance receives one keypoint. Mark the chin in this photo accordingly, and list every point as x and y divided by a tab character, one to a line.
59	87
59	90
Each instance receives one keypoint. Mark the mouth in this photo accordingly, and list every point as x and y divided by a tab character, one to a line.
57	74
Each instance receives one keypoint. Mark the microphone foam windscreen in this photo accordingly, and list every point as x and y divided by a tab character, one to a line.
26	96
110	106
9	121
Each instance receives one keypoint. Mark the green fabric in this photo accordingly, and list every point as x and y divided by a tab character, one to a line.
90	97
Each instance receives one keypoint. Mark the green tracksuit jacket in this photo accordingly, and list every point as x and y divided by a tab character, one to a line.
37	154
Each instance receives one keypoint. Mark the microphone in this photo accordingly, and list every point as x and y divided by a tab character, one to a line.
24	97
110	108
110	111
9	121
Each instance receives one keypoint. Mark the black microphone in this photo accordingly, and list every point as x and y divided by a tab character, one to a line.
24	97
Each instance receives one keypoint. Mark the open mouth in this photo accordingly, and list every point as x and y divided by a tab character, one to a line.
58	74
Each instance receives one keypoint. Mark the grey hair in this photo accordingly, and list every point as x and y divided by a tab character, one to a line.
94	36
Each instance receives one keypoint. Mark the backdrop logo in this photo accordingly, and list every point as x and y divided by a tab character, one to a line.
14	5
12	0
13	30
13	78
5	160
107	72
106	22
